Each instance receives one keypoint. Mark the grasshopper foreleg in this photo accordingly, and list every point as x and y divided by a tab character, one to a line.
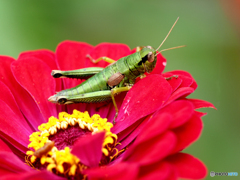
104	58
169	78
142	76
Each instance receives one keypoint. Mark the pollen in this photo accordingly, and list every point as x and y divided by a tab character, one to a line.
48	147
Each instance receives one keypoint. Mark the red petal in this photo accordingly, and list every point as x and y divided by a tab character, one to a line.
4	174
201	103
188	133
155	126
46	56
200	114
188	166
148	128
10	101
4	147
13	146
194	85
12	127
12	163
180	110
89	149
35	77
126	136
49	58
151	151
25	102
160	65
71	55
34	175
181	92
174	82
144	98
180	72
186	80
133	50
173	174
185	73
158	171
113	51
118	171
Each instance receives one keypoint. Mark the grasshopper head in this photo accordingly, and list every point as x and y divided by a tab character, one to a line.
149	59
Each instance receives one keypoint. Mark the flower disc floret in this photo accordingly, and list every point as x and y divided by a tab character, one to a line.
44	151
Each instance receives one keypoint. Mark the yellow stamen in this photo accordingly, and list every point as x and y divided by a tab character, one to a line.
63	161
72	170
105	151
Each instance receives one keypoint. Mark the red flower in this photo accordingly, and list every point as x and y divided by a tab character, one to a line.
155	122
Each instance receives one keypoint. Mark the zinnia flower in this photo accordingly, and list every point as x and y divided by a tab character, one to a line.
41	140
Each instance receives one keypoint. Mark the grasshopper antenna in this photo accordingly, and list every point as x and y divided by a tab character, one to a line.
170	49
167	34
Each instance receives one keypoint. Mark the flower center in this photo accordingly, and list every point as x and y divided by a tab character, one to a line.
50	147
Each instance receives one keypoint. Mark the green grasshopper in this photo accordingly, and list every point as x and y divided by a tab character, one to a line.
103	84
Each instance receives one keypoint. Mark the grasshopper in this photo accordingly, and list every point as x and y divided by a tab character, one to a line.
103	84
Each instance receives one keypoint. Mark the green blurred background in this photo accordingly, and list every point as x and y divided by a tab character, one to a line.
207	27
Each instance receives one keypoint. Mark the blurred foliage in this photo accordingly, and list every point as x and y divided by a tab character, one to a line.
212	54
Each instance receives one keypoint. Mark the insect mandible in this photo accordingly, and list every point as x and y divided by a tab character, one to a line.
103	84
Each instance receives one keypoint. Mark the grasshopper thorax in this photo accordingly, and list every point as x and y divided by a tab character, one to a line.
149	59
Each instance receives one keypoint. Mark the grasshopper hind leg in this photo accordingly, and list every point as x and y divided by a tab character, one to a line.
91	97
62	101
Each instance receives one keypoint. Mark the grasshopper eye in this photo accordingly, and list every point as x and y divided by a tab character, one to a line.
150	57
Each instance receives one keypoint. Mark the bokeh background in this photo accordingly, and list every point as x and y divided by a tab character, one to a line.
210	29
